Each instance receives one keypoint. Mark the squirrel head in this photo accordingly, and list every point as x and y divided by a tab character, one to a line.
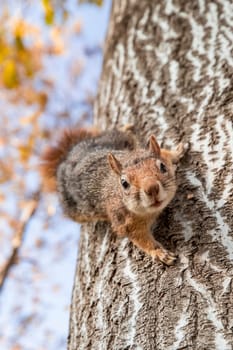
148	181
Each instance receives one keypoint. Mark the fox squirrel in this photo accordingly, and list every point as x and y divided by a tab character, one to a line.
109	176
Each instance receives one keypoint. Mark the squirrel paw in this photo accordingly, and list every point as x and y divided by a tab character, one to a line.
164	256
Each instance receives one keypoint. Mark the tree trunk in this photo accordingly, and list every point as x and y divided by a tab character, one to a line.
167	69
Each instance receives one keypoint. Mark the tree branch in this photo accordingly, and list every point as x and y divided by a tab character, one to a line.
17	240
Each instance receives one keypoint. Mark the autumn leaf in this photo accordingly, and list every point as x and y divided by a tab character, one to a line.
10	75
96	2
49	11
58	44
29	119
6	171
26	150
4	49
17	60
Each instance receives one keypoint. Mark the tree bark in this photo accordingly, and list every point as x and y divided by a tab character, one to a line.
167	69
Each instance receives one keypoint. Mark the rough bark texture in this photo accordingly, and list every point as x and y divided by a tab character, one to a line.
168	69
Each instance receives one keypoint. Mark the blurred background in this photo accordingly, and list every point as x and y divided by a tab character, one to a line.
50	63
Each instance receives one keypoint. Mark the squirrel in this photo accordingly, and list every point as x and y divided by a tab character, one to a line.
109	176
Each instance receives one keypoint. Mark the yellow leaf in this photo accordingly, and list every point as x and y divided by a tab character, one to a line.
10	75
5	50
19	45
96	2
25	150
49	12
20	28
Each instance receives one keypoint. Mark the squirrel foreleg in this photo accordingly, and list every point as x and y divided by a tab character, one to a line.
139	234
146	242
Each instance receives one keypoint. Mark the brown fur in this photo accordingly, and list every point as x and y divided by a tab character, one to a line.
143	178
173	156
138	231
130	197
54	155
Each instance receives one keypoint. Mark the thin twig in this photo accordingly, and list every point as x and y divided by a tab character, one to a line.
27	213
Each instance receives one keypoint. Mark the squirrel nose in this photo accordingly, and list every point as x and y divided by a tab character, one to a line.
152	190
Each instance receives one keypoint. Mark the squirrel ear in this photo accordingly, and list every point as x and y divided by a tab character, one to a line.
154	146
114	164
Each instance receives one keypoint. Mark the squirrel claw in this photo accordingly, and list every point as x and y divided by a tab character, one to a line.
165	256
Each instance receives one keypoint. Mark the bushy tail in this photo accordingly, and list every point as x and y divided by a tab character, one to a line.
54	155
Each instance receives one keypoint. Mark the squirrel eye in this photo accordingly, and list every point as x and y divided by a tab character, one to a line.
163	168
124	184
